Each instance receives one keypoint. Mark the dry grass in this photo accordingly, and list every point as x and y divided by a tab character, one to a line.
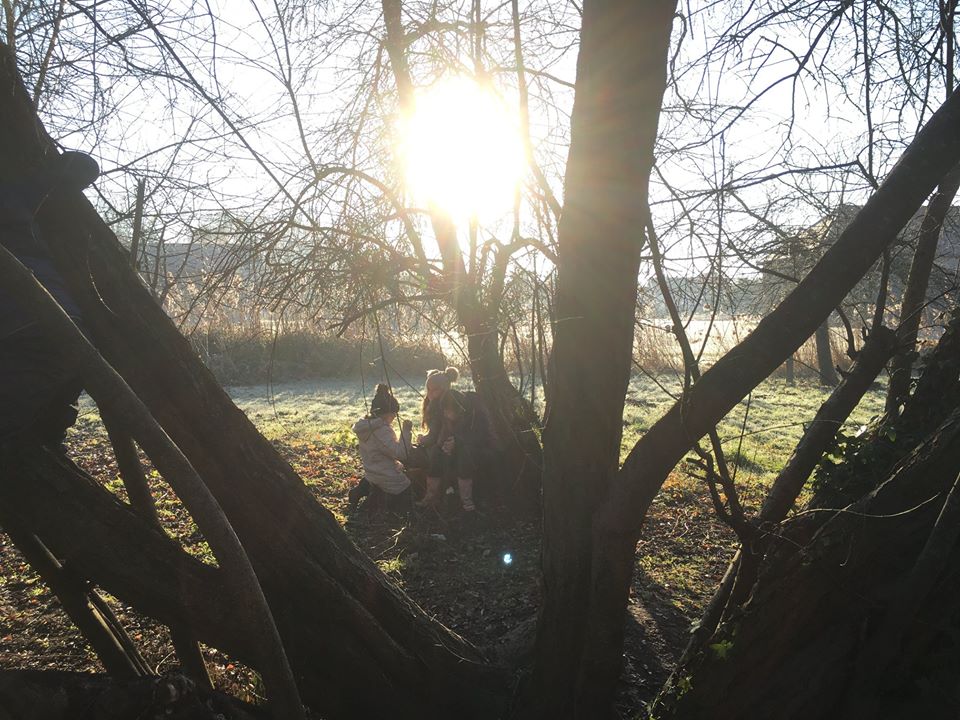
460	579
656	351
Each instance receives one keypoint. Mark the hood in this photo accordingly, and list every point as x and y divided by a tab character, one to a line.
365	427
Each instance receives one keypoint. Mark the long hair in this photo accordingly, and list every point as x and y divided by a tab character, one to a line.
436	378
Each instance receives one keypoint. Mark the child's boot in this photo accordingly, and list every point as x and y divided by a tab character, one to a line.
432	496
357	493
465	485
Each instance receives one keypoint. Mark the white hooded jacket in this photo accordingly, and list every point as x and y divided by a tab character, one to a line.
381	453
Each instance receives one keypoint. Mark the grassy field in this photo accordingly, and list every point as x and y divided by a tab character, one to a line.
457	576
760	433
764	428
311	421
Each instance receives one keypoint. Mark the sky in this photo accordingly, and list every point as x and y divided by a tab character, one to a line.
236	59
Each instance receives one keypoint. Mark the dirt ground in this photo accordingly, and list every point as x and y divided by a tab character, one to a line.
478	578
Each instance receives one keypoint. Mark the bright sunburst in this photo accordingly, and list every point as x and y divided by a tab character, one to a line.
461	150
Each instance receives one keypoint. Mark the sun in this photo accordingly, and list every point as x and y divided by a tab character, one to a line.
461	150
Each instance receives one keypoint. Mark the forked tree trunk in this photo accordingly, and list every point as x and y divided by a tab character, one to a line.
515	423
621	77
359	647
617	521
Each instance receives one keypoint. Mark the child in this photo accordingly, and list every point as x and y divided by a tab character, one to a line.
459	434
380	449
429	445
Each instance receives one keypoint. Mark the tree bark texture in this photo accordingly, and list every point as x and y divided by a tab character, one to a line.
817	436
825	368
58	695
101	629
621	77
344	625
820	602
617	521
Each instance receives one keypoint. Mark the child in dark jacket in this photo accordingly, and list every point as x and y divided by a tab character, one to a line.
459	434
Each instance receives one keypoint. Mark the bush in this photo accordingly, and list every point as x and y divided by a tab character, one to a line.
247	357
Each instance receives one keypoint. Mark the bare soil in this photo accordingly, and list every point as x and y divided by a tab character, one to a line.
479	578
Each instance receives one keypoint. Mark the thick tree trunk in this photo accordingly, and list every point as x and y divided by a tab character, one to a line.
617	521
819	606
514	419
358	645
56	695
621	76
825	368
519	462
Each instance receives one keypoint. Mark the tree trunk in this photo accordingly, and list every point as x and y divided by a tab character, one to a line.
819	605
825	368
618	520
915	294
621	76
514	419
519	465
741	574
57	695
357	644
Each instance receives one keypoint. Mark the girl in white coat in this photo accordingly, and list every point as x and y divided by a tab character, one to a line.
380	449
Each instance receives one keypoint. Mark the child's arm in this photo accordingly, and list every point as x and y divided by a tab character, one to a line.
406	439
392	446
430	438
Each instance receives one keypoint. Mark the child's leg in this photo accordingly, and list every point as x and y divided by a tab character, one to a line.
434	492
357	493
466	471
434	479
465	486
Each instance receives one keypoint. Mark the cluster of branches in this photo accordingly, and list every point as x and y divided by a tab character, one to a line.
332	232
